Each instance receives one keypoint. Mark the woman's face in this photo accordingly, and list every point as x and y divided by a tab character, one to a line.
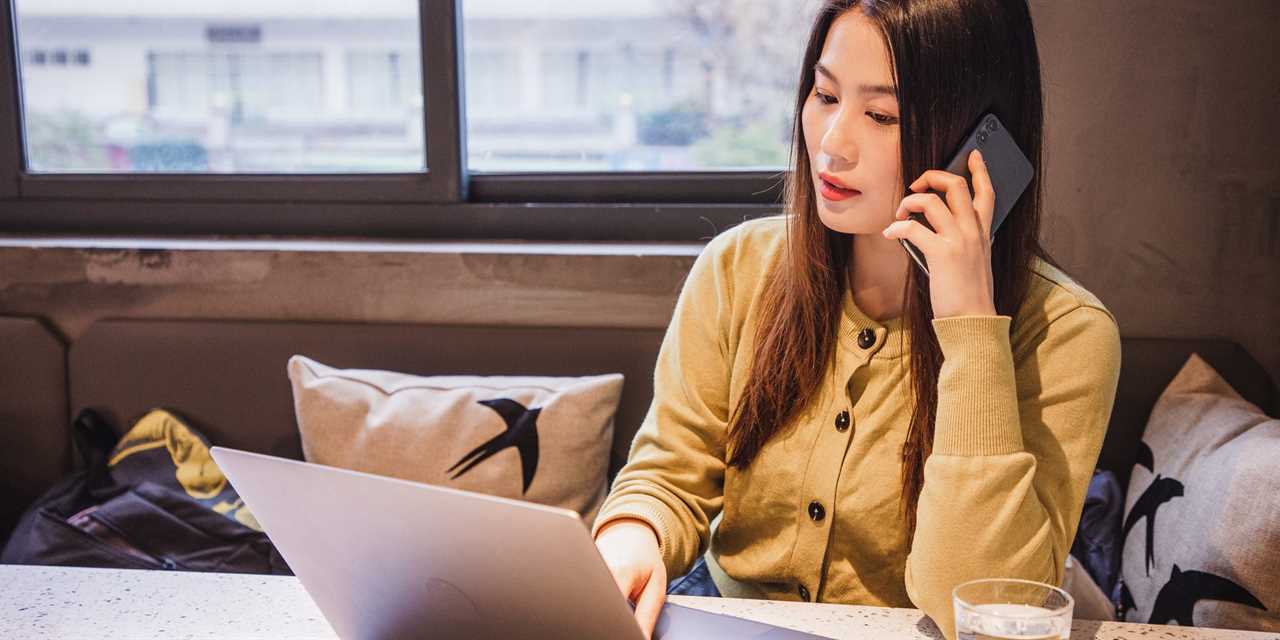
850	123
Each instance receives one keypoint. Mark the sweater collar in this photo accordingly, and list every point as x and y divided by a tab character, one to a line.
891	339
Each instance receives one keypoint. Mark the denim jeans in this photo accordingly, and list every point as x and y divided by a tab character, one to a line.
697	582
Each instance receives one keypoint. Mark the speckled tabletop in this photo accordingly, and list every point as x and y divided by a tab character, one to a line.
63	602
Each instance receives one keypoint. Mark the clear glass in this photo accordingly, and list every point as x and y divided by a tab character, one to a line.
1011	609
631	85
233	86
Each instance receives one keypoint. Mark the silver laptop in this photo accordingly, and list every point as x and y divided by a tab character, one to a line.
387	558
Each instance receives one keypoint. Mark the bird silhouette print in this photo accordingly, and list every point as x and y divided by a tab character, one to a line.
1145	457
1160	491
1178	597
521	433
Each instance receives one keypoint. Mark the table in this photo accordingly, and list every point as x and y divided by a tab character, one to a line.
71	602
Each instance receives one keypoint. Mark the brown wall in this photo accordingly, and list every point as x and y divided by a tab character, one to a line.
1161	174
1163	180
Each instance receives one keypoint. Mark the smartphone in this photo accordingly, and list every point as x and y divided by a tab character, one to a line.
1007	165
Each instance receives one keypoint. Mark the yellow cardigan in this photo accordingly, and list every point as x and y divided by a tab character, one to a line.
1019	425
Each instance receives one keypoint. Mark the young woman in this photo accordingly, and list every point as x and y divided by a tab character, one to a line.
868	434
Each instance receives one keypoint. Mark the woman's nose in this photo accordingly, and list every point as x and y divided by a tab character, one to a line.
839	143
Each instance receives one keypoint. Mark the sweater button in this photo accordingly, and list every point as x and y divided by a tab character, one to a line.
816	511
842	421
804	593
866	338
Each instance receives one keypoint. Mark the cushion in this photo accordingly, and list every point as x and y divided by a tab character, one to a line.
536	438
1201	541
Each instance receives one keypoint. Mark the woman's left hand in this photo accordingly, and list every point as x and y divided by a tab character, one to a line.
959	249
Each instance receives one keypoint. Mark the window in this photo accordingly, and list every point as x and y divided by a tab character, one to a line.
562	86
495	83
178	83
630	86
79	57
371	81
191	89
320	116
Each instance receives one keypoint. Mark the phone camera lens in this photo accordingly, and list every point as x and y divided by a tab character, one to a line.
982	138
991	125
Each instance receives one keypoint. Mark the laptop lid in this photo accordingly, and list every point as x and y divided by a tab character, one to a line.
388	558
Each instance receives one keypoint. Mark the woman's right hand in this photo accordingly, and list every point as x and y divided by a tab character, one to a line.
629	547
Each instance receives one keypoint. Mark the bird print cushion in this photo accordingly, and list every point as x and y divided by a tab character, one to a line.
1201	529
541	439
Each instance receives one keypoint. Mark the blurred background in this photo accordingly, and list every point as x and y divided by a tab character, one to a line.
298	86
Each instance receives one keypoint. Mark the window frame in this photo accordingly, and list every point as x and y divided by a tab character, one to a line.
444	202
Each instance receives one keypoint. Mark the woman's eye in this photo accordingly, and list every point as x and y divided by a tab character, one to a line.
882	119
824	98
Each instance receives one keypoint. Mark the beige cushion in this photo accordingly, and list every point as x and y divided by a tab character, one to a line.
1210	506
541	439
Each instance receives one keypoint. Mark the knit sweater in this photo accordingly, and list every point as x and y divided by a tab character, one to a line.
1022	410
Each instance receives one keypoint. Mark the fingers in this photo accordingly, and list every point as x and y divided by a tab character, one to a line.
984	198
632	551
934	210
647	592
914	233
649	606
956	188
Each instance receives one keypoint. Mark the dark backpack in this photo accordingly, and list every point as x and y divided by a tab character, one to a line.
148	500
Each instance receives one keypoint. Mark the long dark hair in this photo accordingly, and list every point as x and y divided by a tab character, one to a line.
953	60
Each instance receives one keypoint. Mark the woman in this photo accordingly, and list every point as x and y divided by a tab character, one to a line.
868	434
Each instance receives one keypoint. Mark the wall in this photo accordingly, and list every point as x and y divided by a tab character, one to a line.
1163	186
492	283
1162	183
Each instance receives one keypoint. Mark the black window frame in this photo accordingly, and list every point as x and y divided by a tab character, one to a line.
445	202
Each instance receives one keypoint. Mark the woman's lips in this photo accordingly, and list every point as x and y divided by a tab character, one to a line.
834	193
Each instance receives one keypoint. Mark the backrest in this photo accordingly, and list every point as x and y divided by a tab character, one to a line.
228	378
35	445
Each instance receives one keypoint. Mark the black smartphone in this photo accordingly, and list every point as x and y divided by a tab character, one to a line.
1007	165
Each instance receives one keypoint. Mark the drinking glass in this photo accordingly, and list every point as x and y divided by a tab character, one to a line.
1011	609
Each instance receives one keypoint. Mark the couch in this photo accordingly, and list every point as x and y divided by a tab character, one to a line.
227	378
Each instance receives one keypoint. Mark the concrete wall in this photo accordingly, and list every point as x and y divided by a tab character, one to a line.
489	284
1163	198
1163	182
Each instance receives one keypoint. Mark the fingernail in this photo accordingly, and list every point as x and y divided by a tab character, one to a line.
979	152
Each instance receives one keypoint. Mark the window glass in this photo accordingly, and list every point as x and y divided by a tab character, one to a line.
631	85
234	86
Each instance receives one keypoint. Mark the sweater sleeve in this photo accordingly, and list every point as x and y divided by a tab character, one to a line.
1014	447
674	476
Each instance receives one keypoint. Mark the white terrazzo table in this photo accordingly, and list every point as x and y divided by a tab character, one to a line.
64	602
